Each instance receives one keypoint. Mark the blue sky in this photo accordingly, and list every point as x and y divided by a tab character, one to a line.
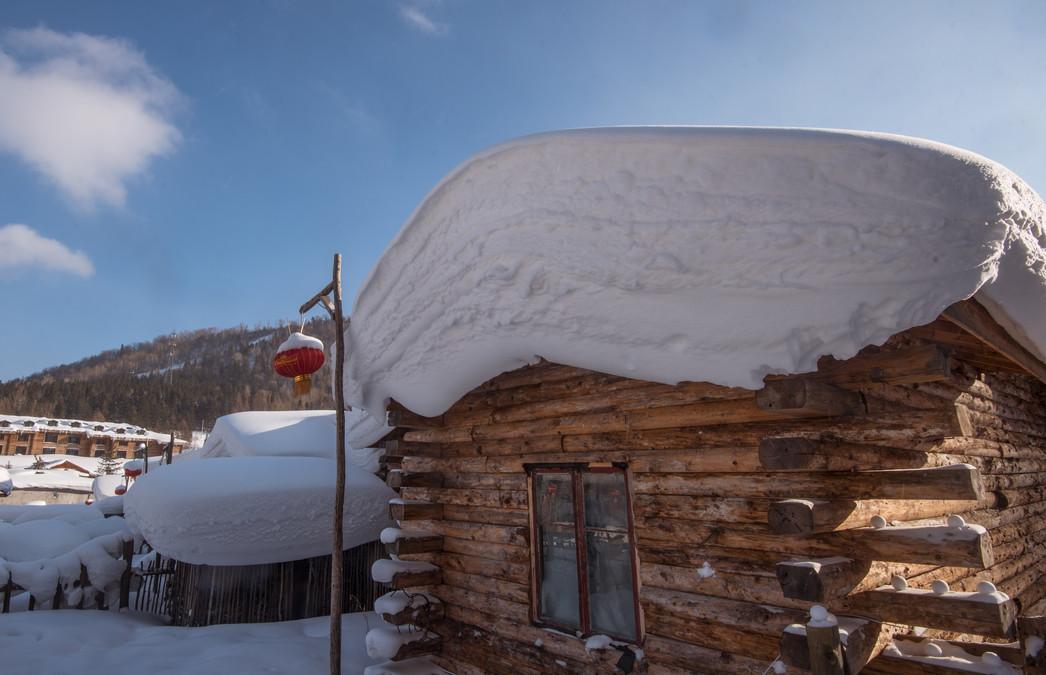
192	164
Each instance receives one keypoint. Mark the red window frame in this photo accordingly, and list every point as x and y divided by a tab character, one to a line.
576	470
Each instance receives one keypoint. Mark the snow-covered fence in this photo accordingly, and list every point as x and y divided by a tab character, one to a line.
204	595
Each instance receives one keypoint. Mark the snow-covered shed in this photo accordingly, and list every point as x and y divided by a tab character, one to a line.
245	522
655	392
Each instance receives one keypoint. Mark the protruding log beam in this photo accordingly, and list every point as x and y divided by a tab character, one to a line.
820	580
925	363
406	573
402	479
861	641
967	546
972	317
399	417
1032	634
393	644
977	613
404	545
803	396
400	509
812	516
416	609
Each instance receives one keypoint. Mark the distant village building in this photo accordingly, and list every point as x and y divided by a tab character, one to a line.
20	435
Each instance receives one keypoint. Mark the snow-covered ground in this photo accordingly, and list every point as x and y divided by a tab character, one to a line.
90	642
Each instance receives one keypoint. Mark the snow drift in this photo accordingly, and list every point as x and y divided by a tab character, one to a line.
253	510
705	254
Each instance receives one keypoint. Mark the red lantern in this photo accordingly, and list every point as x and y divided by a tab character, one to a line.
131	473
89	501
299	357
120	489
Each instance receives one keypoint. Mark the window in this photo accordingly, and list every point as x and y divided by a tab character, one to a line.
48	451
50	437
74	439
99	453
588	587
24	437
21	450
75	452
121	455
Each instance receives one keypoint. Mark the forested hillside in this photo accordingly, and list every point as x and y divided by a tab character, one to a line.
180	382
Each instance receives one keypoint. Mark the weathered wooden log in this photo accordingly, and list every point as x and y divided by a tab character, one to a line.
410	544
690	658
977	613
400	509
508	499
810	516
507	590
941	545
750	586
707	413
923	363
508	570
808	398
958	482
481	514
820	580
424	611
483	602
972	317
797	453
494	534
399	417
1032	634
487	550
410	579
399	479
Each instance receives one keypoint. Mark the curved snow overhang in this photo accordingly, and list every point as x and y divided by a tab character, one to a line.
690	253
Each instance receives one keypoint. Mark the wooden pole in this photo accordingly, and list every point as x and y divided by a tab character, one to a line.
824	644
335	310
170	449
339	489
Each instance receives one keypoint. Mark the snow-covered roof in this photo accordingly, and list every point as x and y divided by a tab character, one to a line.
291	433
676	253
90	429
253	510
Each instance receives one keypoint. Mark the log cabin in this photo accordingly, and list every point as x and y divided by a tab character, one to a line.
693	458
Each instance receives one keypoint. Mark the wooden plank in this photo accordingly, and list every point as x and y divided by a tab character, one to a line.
401	580
400	510
401	418
953	611
972	317
808	398
942	545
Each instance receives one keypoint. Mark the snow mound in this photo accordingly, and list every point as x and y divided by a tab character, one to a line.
6	486
293	433
253	510
105	486
39	539
704	254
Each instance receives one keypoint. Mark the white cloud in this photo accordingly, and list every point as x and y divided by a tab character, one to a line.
416	18
22	246
87	112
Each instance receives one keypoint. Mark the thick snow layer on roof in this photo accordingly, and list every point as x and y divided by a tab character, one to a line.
51	479
88	428
253	510
111	642
292	433
707	254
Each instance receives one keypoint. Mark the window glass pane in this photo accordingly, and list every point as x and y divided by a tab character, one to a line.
606	501
610	589
554	517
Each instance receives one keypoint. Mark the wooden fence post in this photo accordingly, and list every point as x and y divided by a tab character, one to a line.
84	581
823	643
8	587
125	578
57	601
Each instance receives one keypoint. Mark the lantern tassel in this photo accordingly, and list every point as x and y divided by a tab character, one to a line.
302	385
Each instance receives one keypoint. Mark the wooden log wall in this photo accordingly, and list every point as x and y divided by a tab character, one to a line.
742	481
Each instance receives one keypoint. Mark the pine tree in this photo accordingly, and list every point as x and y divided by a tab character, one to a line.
108	464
